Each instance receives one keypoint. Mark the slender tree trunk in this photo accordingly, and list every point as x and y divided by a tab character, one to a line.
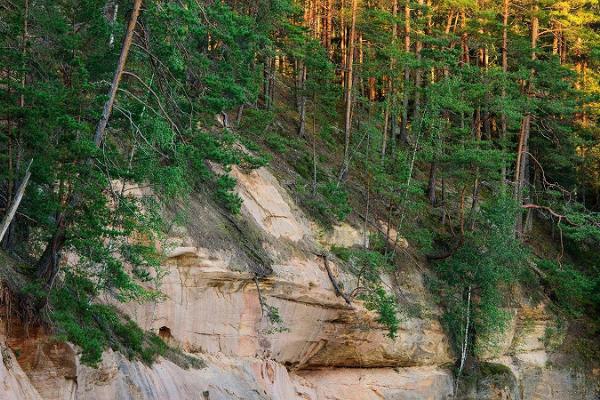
15	150
343	43
522	163
24	52
555	37
406	88
463	354
503	121
301	85
112	94
444	210
477	124
464	38
272	72
349	79
431	184
449	22
329	27
302	105
48	264
419	70
384	139
112	18
314	147
368	201
15	204
390	87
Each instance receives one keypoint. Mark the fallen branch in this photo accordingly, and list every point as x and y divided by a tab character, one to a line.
15	204
338	291
551	211
260	298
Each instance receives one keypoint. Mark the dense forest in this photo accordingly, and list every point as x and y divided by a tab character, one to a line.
468	129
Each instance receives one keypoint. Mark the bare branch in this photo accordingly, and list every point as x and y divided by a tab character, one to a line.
552	212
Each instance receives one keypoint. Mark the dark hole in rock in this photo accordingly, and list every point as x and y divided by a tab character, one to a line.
165	333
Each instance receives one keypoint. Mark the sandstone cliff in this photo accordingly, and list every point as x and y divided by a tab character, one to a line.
223	276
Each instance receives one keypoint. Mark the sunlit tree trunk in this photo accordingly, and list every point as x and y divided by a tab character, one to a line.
522	163
390	86
406	88
503	121
349	79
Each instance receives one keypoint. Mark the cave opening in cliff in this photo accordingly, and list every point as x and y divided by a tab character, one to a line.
164	332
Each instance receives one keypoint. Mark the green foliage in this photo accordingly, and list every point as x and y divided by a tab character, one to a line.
275	320
554	335
365	263
256	122
461	116
225	194
329	205
572	290
158	147
489	263
387	307
95	327
368	266
337	200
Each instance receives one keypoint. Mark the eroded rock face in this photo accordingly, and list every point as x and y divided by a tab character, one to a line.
211	310
417	383
223	378
212	305
540	371
269	206
219	300
14	382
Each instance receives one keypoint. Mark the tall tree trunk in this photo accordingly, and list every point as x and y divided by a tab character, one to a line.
301	77
343	45
556	32
302	103
419	70
431	184
464	39
314	146
444	209
503	121
406	88
15	204
15	150
477	124
329	27
101	127
48	264
522	163
349	79
389	87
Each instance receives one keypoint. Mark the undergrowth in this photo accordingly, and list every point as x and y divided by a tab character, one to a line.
95	327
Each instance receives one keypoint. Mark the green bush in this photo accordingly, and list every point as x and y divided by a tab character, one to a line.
387	308
572	290
489	262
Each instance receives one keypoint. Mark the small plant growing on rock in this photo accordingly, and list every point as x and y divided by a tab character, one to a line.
368	266
275	319
386	305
